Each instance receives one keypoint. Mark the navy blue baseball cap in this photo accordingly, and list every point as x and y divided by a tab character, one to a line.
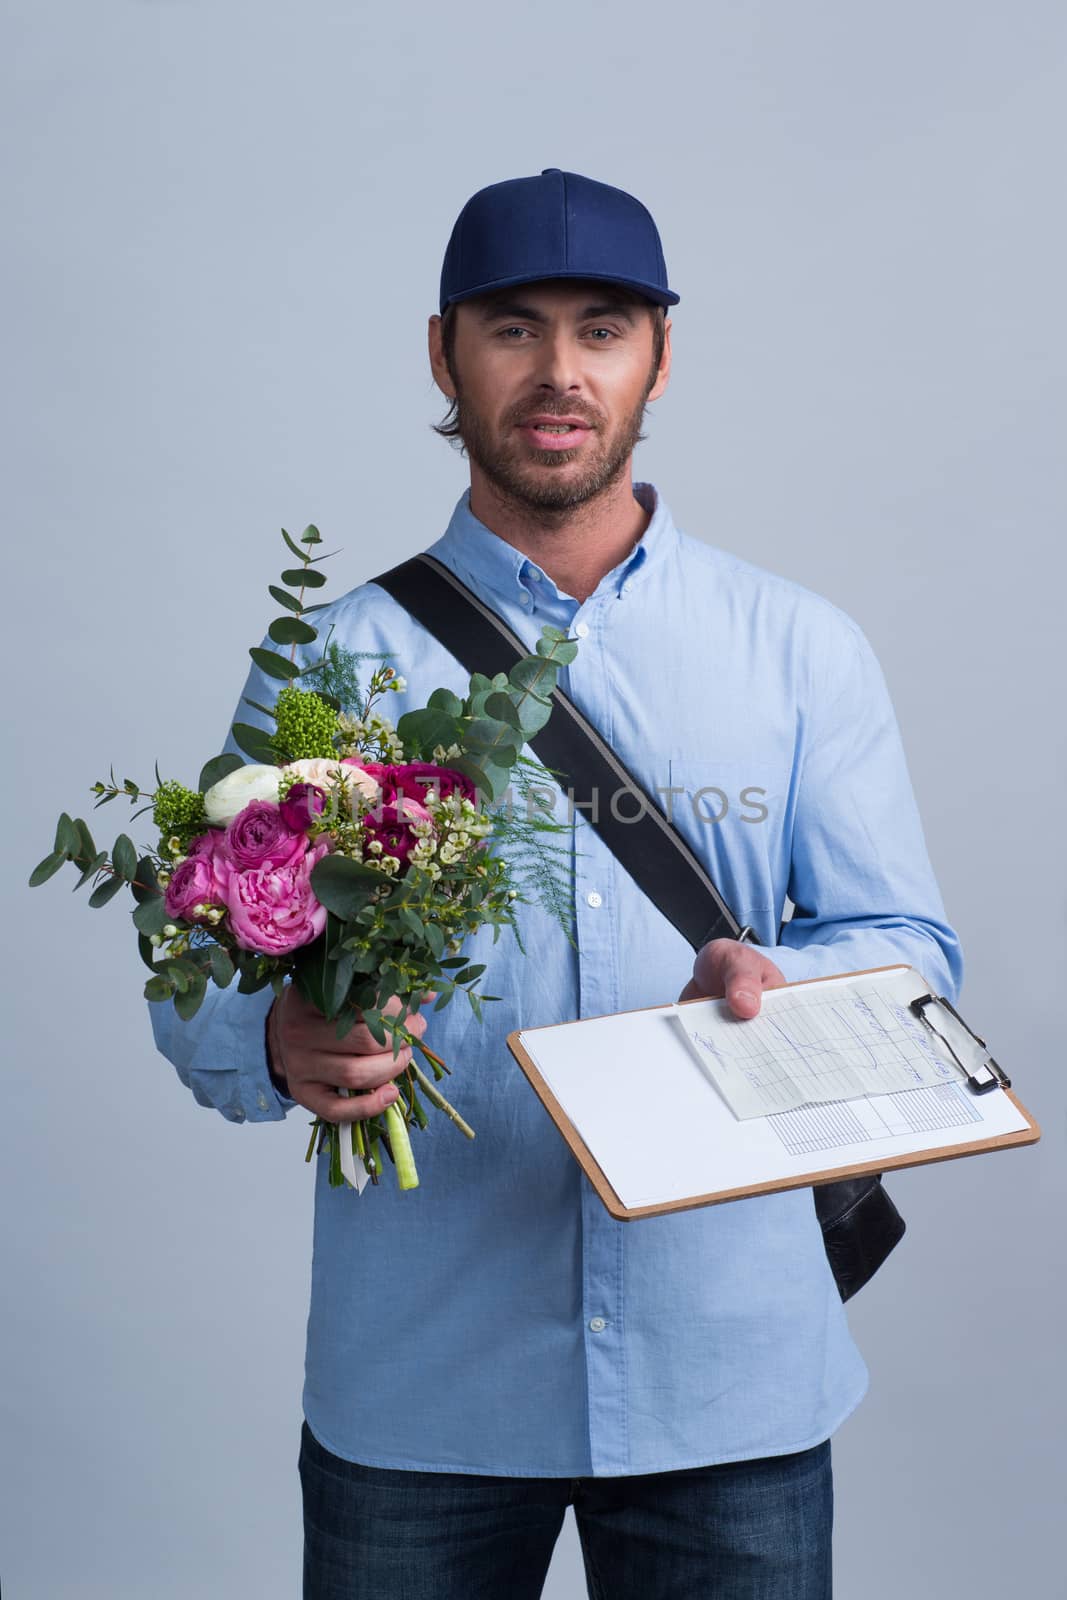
559	225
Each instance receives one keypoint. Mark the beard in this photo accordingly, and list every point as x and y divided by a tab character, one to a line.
520	473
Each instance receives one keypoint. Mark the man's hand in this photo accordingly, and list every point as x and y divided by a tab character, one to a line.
306	1051
735	971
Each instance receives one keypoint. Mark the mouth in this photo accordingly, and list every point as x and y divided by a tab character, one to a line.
546	433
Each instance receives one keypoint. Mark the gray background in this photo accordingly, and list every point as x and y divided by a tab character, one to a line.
223	226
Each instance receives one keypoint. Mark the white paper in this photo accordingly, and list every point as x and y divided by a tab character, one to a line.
351	1168
818	1043
660	1130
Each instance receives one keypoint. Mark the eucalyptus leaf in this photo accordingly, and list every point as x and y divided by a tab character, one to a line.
47	868
284	598
189	1003
303	578
158	988
534	675
255	742
291	630
106	891
151	915
147	952
87	850
124	857
274	666
99	861
294	547
67	840
502	708
311	535
146	884
222	968
217	768
444	700
342	885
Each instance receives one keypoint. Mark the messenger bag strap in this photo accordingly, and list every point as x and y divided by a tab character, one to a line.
653	852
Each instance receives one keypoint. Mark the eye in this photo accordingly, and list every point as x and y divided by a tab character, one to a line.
609	331
503	334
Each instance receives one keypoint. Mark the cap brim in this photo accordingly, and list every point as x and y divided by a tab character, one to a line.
648	291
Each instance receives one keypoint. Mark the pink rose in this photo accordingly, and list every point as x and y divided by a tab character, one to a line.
259	836
198	880
303	803
273	908
391	826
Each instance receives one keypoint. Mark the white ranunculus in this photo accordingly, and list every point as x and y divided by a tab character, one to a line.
326	773
231	794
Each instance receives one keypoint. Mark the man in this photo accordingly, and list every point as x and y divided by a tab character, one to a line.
493	1346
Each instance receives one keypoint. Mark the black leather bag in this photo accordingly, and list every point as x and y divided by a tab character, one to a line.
860	1224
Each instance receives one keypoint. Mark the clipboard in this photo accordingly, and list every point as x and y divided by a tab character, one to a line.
616	1086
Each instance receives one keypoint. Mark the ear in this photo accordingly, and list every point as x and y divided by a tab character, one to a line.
438	364
663	375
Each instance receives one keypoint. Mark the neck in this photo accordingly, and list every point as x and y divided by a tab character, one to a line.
576	546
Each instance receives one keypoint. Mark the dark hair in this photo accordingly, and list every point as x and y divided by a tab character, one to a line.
449	427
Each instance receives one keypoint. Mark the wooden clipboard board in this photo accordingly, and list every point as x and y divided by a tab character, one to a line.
883	1163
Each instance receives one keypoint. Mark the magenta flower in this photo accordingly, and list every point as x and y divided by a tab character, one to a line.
273	907
303	803
259	836
391	826
198	880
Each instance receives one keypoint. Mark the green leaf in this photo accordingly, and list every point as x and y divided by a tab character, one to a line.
294	547
413	921
87	850
217	768
151	915
178	972
98	861
46	868
502	708
342	885
480	684
562	651
250	981
147	952
106	891
469	974
146	886
290	630
303	578
533	714
444	700
274	666
284	598
67	839
425	729
188	1004
548	632
534	675
311	535
343	971
255	742
158	988
222	968
375	1026
124	857
435	938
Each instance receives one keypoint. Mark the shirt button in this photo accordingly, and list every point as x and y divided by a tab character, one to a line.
581	629
597	1324
536	576
595	899
524	598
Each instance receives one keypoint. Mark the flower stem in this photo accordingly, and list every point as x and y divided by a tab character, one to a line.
437	1099
400	1145
314	1134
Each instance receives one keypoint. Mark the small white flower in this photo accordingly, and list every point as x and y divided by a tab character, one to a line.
169	930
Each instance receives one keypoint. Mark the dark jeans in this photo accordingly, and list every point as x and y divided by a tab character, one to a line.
747	1530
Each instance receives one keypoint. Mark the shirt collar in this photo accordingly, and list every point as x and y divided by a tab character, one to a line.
485	561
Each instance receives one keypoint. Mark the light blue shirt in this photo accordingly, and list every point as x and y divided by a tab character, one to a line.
497	1319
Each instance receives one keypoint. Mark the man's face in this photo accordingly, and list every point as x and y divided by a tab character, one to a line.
550	381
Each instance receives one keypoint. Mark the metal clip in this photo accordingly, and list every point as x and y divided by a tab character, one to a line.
983	1073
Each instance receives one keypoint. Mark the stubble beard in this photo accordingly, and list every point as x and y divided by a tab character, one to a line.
517	472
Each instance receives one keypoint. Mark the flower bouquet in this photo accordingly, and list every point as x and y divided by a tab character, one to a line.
347	855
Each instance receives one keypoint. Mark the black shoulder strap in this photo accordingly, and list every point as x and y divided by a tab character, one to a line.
651	849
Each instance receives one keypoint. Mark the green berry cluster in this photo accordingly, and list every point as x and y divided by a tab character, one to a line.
178	811
306	726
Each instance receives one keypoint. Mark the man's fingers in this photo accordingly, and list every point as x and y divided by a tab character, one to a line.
336	1107
726	969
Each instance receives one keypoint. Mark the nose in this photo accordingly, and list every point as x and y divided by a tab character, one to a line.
558	366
